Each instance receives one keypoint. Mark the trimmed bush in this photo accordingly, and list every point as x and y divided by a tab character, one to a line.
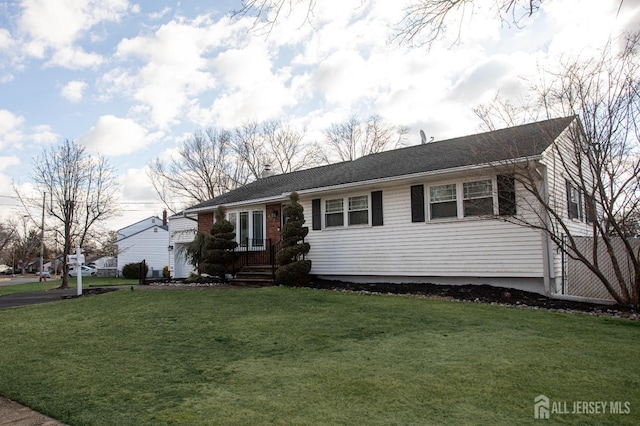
219	245
293	269
132	270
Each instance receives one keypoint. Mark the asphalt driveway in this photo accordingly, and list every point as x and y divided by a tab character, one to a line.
35	297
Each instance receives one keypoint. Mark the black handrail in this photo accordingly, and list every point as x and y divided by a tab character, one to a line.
260	252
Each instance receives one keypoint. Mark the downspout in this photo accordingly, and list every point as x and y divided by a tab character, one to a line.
548	261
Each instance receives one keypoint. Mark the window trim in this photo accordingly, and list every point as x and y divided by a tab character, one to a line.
459	191
236	214
346	212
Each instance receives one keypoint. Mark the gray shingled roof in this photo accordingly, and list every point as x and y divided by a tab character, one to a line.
483	148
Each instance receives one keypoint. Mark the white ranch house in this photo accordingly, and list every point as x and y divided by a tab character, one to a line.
431	213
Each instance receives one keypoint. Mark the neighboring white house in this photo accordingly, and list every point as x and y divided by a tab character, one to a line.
146	240
432	213
182	230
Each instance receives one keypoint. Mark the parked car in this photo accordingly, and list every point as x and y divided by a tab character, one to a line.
8	271
86	271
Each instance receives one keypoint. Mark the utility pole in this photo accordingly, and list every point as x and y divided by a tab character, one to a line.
44	197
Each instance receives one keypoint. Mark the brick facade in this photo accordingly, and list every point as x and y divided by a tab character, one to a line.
274	224
205	221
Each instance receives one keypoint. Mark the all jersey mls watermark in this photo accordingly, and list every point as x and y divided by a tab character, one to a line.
544	408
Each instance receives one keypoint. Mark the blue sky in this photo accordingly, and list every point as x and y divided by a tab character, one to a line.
132	79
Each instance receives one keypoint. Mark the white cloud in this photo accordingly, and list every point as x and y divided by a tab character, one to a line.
176	68
59	24
11	134
43	134
8	161
116	136
73	91
136	186
74	58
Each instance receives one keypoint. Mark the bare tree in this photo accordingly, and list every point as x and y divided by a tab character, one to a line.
500	111
203	169
81	191
24	242
250	147
288	148
7	233
355	138
424	21
274	143
267	13
601	165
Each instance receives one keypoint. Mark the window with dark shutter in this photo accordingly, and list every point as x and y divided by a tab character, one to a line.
316	222
376	208
573	201
506	195
417	203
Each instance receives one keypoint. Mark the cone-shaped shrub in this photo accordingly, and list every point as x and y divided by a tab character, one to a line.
218	251
293	269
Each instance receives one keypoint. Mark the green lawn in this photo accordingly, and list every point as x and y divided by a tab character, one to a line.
87	282
299	356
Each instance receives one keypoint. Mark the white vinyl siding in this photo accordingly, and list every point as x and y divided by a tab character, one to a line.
150	245
461	248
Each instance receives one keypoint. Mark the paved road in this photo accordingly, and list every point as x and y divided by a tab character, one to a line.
17	279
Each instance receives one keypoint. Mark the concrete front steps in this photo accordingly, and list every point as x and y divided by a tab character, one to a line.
254	276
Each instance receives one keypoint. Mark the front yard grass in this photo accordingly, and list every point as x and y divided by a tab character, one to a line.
52	283
299	356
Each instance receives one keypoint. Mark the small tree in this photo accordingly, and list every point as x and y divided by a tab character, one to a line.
294	269
193	252
218	251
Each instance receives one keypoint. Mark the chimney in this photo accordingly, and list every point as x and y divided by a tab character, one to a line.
164	217
267	171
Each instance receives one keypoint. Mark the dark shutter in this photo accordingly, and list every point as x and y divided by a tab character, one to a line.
506	195
376	208
316	222
417	203
590	208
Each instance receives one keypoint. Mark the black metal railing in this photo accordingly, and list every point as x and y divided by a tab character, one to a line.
258	252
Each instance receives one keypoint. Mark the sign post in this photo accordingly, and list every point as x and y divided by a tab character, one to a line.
79	269
77	260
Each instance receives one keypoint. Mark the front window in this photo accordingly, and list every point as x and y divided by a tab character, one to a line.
333	210
575	203
359	210
442	201
249	227
477	198
258	229
244	228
